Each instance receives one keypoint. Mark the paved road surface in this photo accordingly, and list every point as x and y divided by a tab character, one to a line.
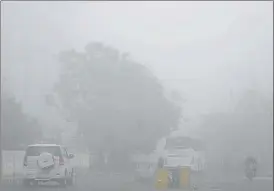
258	184
90	182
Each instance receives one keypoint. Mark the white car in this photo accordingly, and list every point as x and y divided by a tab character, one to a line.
185	157
48	162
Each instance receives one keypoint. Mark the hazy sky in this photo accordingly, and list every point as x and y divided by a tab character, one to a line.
220	46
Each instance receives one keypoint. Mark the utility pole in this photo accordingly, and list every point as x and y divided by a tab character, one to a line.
1	151
1	157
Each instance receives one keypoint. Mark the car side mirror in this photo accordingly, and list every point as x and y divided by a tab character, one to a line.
71	156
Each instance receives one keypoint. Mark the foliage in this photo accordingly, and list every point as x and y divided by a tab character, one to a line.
117	102
18	129
248	129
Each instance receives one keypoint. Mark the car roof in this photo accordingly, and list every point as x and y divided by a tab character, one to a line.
44	145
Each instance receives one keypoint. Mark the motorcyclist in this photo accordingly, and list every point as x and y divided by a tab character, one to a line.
251	166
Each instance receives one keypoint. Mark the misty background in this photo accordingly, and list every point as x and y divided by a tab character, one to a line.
217	57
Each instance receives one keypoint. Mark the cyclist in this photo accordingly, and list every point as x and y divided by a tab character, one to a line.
250	167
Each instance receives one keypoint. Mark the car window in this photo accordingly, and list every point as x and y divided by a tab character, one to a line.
36	151
64	152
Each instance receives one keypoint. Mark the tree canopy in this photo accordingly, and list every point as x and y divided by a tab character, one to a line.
118	103
18	129
246	130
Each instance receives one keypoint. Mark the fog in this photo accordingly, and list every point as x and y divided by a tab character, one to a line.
224	35
212	53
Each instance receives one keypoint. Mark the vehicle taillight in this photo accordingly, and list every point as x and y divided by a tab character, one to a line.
61	161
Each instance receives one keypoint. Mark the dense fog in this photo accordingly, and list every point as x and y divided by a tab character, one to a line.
119	76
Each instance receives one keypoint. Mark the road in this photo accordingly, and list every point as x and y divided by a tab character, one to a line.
258	184
120	182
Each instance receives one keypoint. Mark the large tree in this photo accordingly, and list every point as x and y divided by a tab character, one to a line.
18	129
118	103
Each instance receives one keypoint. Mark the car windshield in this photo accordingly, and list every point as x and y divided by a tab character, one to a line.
134	90
184	143
37	150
